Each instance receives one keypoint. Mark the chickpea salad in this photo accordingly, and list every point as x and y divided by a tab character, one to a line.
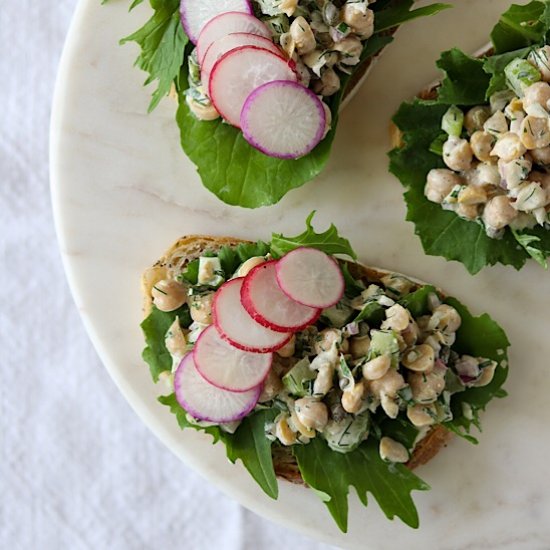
251	137
475	155
357	387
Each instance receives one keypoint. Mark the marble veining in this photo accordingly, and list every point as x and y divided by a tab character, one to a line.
123	191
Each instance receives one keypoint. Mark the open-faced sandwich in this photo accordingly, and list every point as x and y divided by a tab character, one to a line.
303	363
260	82
474	150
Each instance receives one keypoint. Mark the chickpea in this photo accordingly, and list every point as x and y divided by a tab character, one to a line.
440	183
445	318
420	359
426	387
168	295
472	195
174	340
530	197
475	118
499	212
202	110
541	156
200	307
288	349
397	318
352	399
303	36
350	49
376	368
328	339
457	154
540	58
272	387
360	20
496	125
467	366
396	282
515	172
410	334
283	432
324	380
468	211
359	346
392	451
433	342
482	144
249	265
539	92
421	415
389	405
389	384
487	375
328	117
329	83
311	413
509	147
296	425
288	7
304	76
535	132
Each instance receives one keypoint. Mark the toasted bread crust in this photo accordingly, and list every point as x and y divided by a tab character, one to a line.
191	247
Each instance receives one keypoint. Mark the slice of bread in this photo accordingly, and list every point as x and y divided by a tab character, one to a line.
191	247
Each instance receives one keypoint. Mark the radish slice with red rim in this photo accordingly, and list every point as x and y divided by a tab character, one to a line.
311	277
278	101
195	14
238	73
205	401
226	366
264	300
237	326
227	43
228	23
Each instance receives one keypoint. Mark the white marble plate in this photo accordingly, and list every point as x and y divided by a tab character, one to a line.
123	191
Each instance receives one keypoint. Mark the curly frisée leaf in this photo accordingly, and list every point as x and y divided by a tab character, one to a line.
329	241
333	474
162	41
467	82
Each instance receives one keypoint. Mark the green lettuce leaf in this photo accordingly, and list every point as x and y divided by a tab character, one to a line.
467	82
332	474
162	41
329	241
479	337
154	328
521	26
417	302
248	444
228	166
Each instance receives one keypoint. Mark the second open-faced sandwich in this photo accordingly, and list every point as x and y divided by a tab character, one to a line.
305	364
260	82
474	150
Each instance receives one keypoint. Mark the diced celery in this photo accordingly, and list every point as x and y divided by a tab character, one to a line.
520	74
384	342
294	380
452	121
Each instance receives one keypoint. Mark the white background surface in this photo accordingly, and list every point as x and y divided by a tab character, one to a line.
78	470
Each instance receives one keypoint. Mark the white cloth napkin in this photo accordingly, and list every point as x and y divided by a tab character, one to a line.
78	469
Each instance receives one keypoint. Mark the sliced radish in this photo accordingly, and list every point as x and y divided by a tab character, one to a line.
196	13
310	277
226	366
264	300
205	401
237	326
228	23
227	43
273	102
238	73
